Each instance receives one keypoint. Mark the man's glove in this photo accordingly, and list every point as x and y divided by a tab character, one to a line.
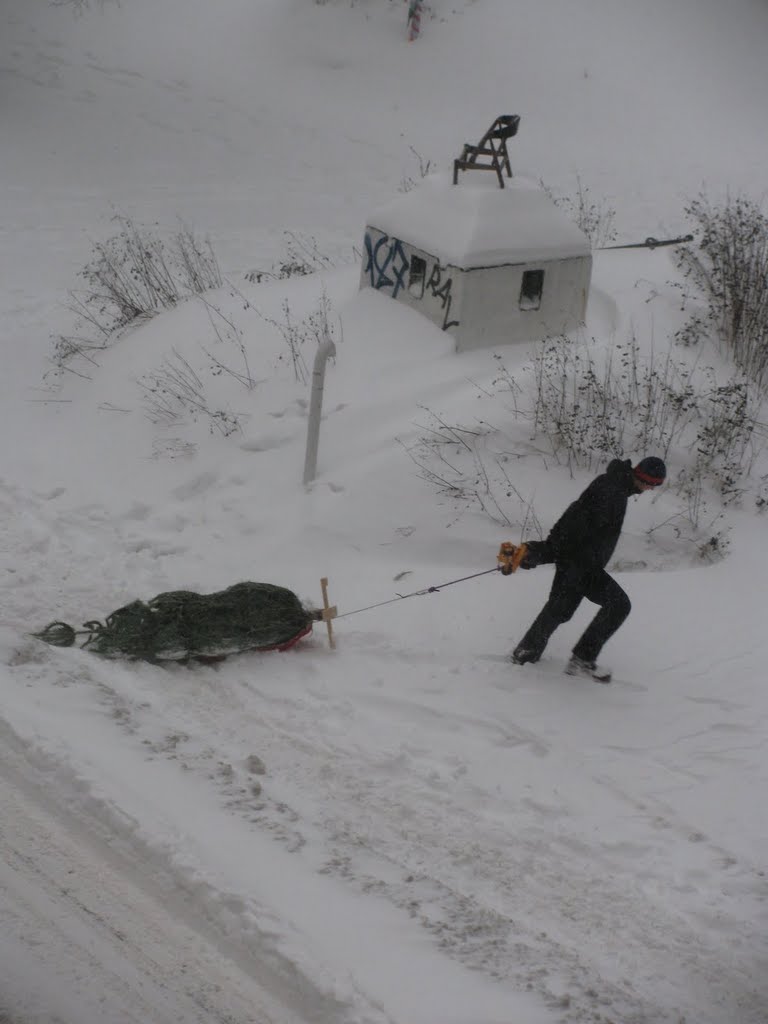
523	556
510	557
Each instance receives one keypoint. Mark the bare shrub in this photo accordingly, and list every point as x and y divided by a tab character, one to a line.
761	495
131	276
318	326
228	335
79	6
175	391
425	167
466	465
730	270
594	217
590	412
706	537
302	257
69	347
135	273
587	409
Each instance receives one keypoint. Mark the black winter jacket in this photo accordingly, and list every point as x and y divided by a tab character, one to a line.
587	533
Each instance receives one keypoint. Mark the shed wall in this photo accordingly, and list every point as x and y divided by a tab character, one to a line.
480	307
491	313
387	267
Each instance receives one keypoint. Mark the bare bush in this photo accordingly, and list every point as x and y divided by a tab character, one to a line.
590	412
707	538
466	465
175	391
228	334
135	273
425	167
730	270
79	6
594	217
131	276
302	257
318	326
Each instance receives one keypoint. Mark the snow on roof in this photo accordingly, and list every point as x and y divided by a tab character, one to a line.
475	223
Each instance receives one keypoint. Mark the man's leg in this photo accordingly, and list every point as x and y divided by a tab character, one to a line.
564	598
614	608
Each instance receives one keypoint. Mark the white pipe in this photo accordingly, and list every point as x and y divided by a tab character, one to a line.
325	350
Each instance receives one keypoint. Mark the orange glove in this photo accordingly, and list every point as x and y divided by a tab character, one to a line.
510	556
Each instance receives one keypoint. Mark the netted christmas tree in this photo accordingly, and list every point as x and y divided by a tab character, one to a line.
182	624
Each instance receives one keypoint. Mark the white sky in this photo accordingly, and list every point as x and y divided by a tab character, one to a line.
406	830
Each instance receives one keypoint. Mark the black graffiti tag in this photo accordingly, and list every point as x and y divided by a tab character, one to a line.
441	289
386	257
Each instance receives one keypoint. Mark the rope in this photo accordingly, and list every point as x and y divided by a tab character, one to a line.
418	593
181	624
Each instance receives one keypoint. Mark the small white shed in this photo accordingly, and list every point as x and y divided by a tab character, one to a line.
491	266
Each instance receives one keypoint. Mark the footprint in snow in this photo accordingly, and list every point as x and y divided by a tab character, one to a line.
266	442
195	487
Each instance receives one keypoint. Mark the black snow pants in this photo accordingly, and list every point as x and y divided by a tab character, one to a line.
569	587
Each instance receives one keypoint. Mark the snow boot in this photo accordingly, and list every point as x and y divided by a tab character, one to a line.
524	656
579	667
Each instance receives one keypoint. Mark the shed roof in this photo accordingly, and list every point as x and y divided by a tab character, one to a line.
478	224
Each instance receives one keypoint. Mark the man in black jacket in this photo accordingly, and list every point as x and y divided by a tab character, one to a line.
580	544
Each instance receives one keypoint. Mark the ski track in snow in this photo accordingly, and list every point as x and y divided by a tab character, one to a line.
422	824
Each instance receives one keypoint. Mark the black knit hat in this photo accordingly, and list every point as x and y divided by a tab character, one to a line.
651	470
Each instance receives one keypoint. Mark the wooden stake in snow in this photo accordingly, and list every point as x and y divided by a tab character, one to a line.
329	612
414	19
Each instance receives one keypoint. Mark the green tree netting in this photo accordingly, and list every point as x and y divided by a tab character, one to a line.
182	624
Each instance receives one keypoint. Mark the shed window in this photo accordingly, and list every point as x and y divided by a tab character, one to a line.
417	277
531	289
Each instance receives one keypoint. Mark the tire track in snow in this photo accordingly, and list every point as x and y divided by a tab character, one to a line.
97	930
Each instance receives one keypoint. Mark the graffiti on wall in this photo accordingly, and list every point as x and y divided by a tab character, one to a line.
440	286
387	267
386	263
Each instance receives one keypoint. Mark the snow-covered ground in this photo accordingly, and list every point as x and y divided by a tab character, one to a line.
406	829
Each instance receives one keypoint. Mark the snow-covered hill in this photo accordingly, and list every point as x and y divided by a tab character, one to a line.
406	829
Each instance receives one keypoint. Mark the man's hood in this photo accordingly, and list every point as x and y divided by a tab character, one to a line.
621	469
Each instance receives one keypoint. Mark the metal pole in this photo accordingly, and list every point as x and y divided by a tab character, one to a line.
325	350
649	243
